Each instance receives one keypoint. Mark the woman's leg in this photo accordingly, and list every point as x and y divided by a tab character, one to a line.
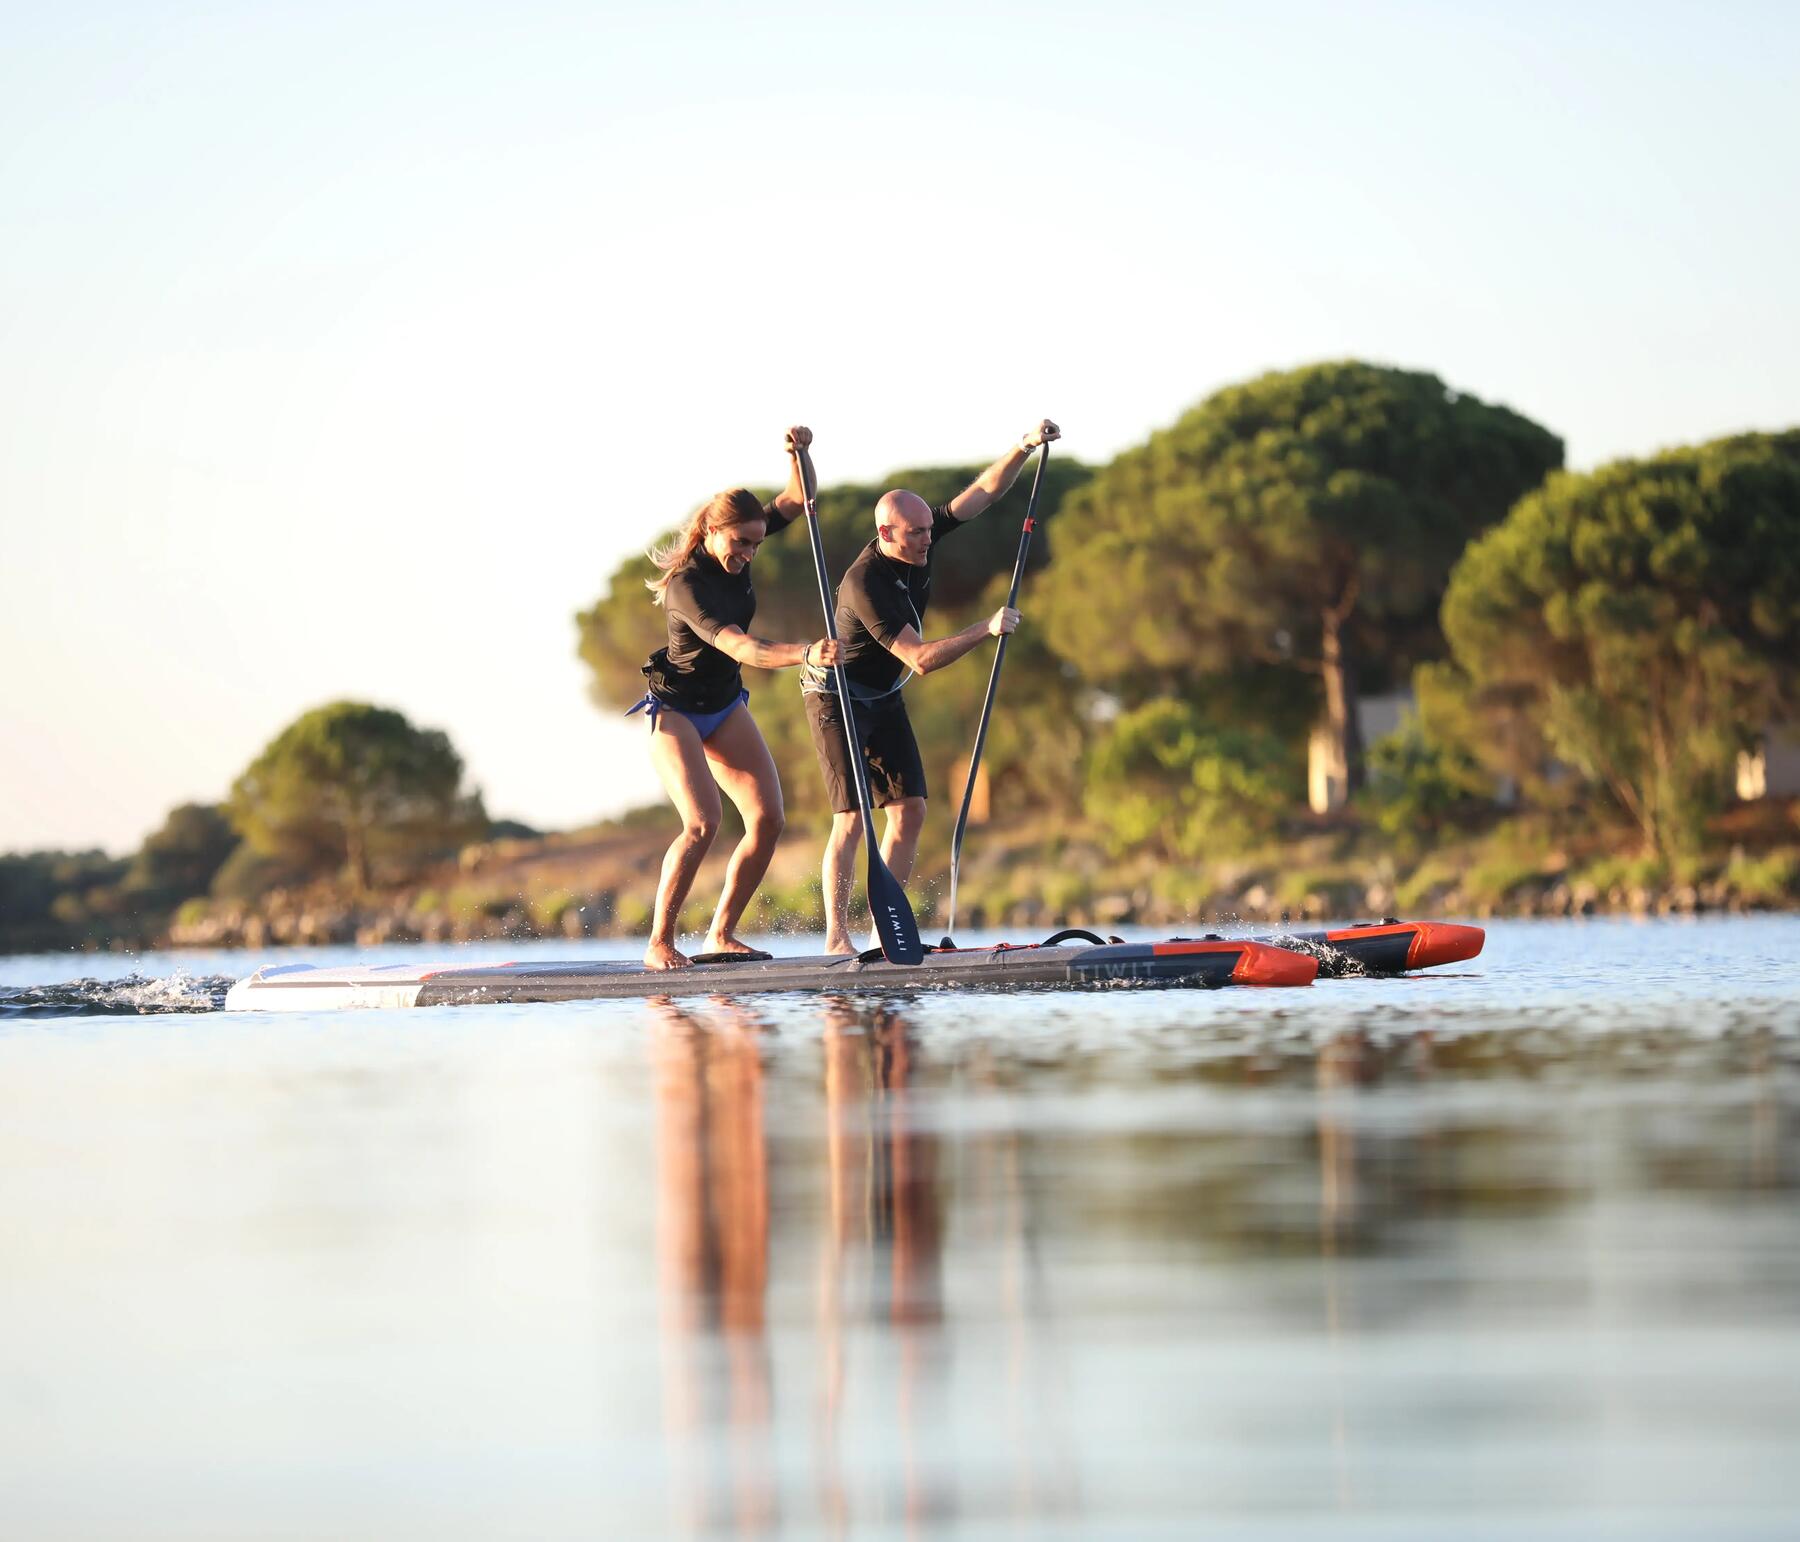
681	763
742	766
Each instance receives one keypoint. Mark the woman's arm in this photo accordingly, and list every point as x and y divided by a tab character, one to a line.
760	653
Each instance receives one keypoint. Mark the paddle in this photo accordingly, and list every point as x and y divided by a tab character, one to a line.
987	706
895	926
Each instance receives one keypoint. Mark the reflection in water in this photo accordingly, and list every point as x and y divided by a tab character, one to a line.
1279	1189
881	1269
713	1223
1342	1065
883	1245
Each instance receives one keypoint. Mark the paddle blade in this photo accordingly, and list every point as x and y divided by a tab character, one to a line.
895	926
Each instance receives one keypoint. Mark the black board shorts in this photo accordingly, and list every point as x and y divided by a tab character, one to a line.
890	751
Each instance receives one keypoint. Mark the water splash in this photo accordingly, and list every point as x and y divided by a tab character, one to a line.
133	996
1333	965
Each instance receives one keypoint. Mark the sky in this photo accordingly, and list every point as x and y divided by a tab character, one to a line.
346	348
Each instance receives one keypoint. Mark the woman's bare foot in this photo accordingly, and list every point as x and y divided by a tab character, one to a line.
665	955
837	944
727	943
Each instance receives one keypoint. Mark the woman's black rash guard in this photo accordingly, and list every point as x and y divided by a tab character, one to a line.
701	600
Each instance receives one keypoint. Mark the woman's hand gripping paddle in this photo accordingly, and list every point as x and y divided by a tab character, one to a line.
895	925
987	707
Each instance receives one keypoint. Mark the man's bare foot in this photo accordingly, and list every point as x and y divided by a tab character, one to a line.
725	944
665	955
838	944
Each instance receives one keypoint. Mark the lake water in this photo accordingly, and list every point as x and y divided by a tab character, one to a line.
1509	1250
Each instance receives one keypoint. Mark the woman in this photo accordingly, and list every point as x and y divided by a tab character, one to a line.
702	736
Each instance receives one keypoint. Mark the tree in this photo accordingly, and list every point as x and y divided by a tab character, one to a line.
180	860
1169	777
348	782
45	896
1640	623
620	630
1305	520
623	626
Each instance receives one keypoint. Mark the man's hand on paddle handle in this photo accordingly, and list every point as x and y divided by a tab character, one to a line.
799	438
823	654
991	485
1004	620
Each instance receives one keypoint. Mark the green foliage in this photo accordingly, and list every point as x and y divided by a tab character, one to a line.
1437	874
191	912
1168	778
1062	891
1630	872
57	898
1247	518
1418	785
547	910
349	784
1305	520
1495	879
248	874
632	915
780	907
49	898
181	859
1772	879
1639	624
469	903
1331	891
26	888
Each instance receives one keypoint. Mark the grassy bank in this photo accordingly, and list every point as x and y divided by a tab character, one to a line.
1029	876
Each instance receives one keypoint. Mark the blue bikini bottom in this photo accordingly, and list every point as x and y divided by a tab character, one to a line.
706	724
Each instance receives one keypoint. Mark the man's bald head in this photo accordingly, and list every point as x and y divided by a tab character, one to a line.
902	507
903	526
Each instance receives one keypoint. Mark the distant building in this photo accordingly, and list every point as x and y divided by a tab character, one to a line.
1772	770
1327	786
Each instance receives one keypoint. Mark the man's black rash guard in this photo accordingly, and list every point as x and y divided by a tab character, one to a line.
702	599
879	598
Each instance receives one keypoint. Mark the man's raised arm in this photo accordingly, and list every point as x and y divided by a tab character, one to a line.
991	485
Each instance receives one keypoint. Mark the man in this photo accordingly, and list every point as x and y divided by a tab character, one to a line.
881	621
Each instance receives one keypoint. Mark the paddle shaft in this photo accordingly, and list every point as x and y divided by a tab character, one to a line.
888	906
993	686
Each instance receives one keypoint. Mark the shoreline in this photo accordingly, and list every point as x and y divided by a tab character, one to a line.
601	883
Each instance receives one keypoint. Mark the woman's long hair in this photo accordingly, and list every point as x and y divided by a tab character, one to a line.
723	512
